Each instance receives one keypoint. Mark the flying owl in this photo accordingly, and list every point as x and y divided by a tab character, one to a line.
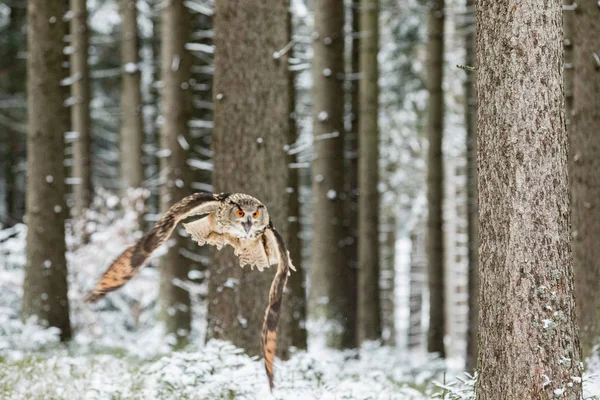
238	220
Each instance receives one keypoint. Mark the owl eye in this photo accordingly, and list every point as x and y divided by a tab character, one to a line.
255	214
240	213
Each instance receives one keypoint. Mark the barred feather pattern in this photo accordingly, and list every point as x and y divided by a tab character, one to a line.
134	257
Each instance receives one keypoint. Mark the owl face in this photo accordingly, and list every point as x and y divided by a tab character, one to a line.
247	218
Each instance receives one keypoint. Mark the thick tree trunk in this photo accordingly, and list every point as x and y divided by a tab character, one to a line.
176	110
132	127
585	170
529	339
435	177
45	286
472	219
569	8
369	305
295	317
329	271
252	123
80	106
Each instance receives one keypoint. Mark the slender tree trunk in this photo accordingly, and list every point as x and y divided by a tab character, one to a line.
472	219
45	286
80	106
369	305
12	83
295	317
328	296
350	335
435	178
585	170
387	283
132	127
529	339
252	123
176	110
418	265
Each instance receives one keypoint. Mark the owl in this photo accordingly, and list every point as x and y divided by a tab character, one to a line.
237	220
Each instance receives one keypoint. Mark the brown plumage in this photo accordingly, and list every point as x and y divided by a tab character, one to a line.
238	220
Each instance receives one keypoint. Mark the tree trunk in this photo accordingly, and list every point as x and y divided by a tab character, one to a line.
12	142
472	220
435	178
295	316
529	340
252	123
176	110
387	283
329	270
80	106
351	189
45	285
585	168
418	265
369	305
569	8
132	127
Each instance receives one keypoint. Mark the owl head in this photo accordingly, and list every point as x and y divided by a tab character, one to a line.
247	218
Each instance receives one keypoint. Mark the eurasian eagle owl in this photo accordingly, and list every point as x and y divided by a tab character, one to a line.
238	220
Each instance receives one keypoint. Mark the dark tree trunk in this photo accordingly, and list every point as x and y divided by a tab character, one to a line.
435	179
472	220
585	170
350	338
295	315
176	110
369	304
132	127
45	286
329	271
251	95
529	339
80	106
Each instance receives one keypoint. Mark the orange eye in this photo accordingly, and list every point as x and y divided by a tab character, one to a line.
239	213
255	214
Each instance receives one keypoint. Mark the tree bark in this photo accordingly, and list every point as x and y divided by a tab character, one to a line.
132	127
175	71
251	96
328	296
45	285
387	283
585	168
529	339
369	304
435	178
80	107
417	275
350	334
472	219
569	8
295	317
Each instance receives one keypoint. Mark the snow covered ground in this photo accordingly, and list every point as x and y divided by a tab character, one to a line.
119	351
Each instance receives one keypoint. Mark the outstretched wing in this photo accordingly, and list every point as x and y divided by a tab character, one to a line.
275	247
134	257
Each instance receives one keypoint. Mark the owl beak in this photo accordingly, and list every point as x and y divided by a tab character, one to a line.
247	226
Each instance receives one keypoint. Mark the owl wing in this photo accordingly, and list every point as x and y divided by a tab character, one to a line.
134	257
275	249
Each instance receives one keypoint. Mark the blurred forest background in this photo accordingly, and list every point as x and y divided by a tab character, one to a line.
111	111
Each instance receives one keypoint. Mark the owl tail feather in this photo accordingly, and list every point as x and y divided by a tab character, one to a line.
273	311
